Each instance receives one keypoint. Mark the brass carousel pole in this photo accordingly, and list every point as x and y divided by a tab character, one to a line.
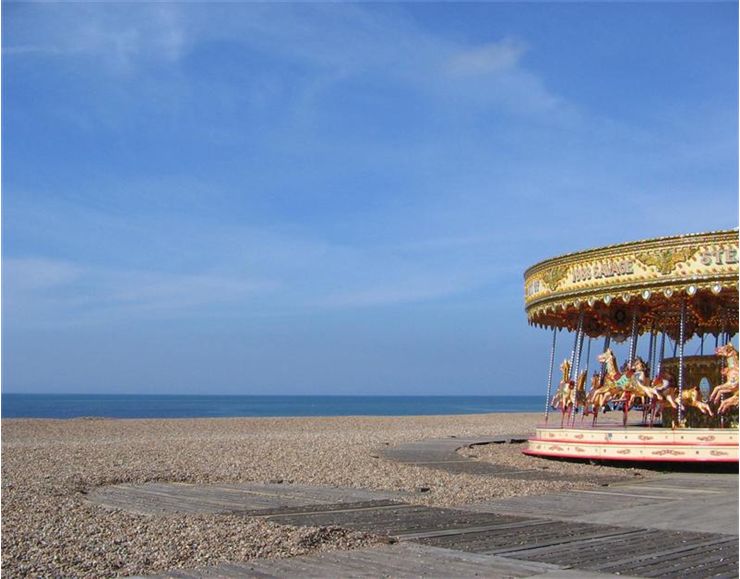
579	329
549	374
579	345
723	366
662	353
650	373
588	354
681	339
651	351
607	342
579	350
633	337
588	360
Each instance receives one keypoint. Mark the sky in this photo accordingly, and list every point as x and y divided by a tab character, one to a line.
331	198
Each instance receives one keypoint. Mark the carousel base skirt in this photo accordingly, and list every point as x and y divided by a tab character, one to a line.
636	444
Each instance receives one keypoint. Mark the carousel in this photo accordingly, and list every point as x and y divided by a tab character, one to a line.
652	299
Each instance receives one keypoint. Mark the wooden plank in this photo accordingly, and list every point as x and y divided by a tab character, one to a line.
470	530
400	561
601	554
526	551
156	498
276	514
328	508
617	495
706	553
565	505
399	521
528	539
709	561
641	553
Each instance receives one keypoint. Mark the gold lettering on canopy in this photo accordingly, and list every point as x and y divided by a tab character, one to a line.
602	269
719	255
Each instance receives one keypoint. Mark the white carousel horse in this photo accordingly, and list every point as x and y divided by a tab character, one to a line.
730	385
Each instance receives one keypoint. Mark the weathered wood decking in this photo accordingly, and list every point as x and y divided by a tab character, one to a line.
671	501
402	561
245	499
672	525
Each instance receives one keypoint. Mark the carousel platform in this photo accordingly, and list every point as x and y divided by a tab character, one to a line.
636	444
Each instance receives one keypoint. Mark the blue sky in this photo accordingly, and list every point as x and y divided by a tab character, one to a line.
337	198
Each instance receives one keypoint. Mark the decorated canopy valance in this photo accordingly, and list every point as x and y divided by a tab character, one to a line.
641	282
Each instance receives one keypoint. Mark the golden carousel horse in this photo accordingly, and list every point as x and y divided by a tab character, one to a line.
574	398
602	392
580	398
650	397
626	387
564	395
730	385
594	396
666	396
691	396
640	381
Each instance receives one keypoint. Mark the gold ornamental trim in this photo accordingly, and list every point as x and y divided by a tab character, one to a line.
654	272
666	260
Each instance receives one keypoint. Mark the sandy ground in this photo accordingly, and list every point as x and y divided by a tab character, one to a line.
48	529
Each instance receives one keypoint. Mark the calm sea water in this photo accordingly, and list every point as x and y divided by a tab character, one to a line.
139	406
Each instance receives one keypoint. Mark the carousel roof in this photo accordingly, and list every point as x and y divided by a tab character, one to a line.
642	280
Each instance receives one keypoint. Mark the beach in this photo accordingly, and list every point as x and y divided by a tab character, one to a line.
50	466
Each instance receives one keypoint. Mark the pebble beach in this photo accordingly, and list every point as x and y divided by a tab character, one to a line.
49	466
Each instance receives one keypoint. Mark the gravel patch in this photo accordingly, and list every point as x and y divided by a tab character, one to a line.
48	529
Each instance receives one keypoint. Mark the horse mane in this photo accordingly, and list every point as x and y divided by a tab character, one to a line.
581	384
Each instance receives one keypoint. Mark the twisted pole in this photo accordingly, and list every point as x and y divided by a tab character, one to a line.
681	339
633	337
549	374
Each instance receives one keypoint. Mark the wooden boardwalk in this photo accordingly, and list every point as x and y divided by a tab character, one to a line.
402	561
672	525
245	499
441	454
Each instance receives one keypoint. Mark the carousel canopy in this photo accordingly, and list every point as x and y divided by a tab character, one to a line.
643	281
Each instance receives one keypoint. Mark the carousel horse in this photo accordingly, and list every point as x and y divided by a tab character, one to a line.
564	395
574	399
690	397
730	385
664	398
649	396
580	399
620	382
557	398
590	402
600	395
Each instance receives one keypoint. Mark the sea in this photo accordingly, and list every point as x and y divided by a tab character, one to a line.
185	406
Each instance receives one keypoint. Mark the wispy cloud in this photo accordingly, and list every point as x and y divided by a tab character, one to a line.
39	274
121	36
491	58
43	291
338	42
413	287
192	266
